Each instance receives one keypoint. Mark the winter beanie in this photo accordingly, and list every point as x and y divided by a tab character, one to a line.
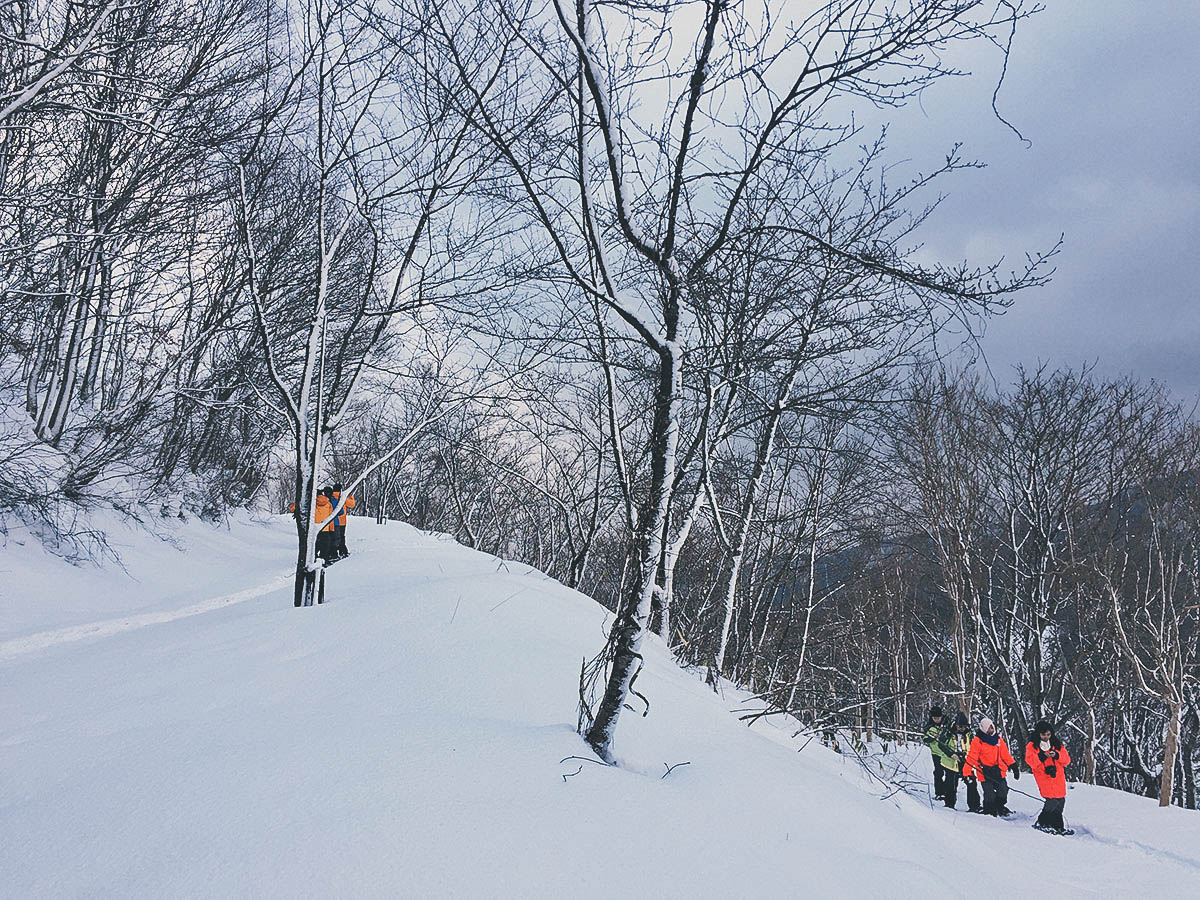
986	725
1043	726
935	711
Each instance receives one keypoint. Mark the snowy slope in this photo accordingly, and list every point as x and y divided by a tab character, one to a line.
189	733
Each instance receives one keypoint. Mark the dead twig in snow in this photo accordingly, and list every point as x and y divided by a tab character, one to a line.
506	599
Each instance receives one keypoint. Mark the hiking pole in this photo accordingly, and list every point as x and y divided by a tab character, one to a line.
1023	794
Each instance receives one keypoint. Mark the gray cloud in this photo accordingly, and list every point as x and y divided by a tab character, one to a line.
1106	91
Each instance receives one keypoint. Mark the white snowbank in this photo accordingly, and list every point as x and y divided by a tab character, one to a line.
405	740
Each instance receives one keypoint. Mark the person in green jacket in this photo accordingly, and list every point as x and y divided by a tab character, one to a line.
953	754
935	729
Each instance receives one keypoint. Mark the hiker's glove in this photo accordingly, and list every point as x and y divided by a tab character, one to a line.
1016	774
1051	770
1042	755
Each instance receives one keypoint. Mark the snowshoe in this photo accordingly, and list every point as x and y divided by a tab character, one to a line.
1064	832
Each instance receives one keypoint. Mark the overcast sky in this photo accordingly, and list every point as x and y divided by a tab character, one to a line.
1108	91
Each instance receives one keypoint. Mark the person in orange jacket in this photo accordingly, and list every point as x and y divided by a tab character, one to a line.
1047	758
340	532
327	537
989	759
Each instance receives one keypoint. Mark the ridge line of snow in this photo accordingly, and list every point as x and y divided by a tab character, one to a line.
16	647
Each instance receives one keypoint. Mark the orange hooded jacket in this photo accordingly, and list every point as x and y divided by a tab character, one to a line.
984	753
1050	786
323	511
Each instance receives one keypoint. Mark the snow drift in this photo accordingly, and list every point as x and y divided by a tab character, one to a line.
176	728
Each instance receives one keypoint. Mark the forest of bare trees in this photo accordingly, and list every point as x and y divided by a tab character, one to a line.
623	290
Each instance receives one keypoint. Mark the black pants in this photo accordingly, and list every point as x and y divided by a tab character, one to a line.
325	545
939	778
995	793
1052	813
952	780
340	541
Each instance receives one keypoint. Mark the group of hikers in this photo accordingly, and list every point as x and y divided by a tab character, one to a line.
982	759
331	540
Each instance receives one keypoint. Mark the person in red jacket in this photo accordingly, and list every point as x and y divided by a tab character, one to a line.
1047	758
989	759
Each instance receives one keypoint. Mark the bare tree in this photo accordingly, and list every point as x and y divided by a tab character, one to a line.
382	157
649	203
1150	575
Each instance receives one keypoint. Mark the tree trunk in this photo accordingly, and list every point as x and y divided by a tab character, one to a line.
1089	750
301	588
868	709
810	602
1189	774
737	549
1170	748
625	639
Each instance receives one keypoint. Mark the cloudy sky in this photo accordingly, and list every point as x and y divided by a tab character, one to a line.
1108	91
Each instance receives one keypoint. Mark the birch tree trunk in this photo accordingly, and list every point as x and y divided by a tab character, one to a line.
764	451
1170	749
629	629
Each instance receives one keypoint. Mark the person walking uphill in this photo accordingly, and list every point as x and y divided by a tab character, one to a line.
1047	758
340	550
935	730
326	537
954	755
989	758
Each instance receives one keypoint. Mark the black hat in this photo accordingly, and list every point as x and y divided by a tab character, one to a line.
960	721
337	485
935	711
1042	727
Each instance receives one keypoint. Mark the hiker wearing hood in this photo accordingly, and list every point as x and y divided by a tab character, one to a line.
953	751
989	758
935	730
1047	758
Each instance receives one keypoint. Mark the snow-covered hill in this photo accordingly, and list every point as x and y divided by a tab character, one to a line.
178	729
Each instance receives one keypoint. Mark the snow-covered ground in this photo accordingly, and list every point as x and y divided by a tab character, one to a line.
178	729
